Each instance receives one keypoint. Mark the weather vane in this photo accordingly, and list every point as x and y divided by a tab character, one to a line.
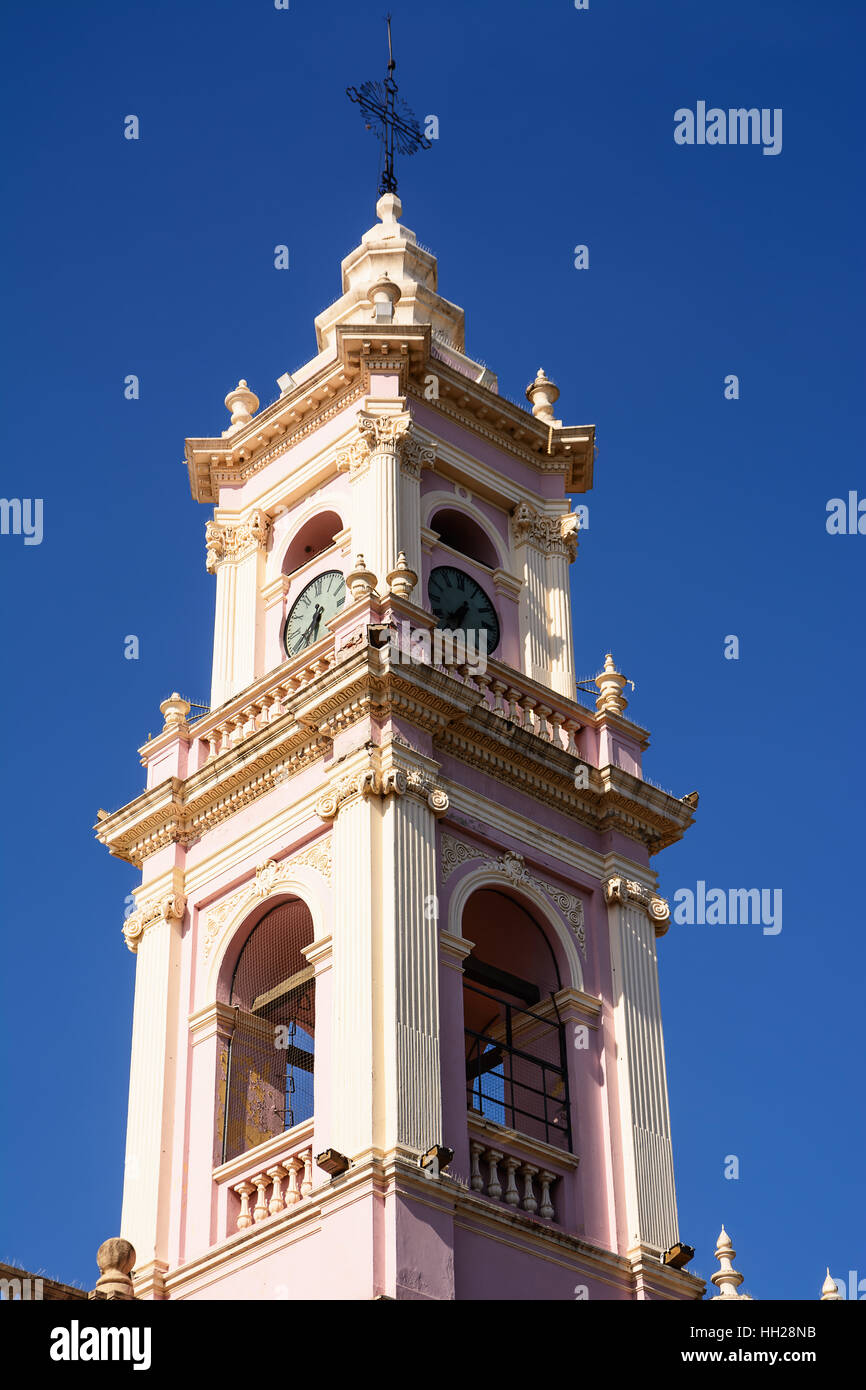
395	123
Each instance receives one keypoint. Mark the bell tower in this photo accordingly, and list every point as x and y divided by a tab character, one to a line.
397	1028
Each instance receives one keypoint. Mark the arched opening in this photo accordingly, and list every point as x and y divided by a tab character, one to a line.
271	1052
315	535
462	532
516	1062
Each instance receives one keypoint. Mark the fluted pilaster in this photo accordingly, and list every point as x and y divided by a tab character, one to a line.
642	1081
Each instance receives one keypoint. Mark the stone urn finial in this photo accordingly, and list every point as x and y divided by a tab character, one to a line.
242	402
610	684
383	294
115	1258
174	711
543	394
361	581
401	581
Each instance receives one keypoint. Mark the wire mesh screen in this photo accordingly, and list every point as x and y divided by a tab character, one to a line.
516	1072
270	1072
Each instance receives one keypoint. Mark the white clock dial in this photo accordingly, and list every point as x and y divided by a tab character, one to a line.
312	610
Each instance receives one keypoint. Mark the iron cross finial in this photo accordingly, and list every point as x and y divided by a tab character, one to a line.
395	123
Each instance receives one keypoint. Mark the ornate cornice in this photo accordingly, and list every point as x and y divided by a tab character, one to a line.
268	879
552	535
169	907
513	867
226	542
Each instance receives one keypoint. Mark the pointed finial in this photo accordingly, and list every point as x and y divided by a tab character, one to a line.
726	1279
402	580
610	683
360	580
830	1290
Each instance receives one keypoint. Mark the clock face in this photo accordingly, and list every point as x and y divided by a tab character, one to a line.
461	604
314	607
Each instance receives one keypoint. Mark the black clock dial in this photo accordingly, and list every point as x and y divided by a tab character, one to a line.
460	603
312	610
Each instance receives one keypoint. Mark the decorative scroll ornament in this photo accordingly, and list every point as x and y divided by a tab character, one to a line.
513	866
224	542
164	909
626	890
268	878
553	535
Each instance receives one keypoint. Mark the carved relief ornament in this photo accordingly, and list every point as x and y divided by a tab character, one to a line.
513	866
268	878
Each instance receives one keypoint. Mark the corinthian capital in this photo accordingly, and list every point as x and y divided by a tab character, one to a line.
555	535
226	542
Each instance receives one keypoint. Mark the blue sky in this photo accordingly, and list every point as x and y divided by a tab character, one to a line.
707	518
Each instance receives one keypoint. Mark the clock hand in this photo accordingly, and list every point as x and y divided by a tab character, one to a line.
313	628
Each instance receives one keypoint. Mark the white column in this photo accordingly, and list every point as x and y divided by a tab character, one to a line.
413	1088
356	1029
373	463
641	1078
155	1042
236	553
533	613
559	622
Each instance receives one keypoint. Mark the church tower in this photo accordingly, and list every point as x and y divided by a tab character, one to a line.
397	1028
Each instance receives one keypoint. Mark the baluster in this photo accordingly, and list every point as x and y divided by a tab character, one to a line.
512	1196
476	1181
529	1203
515	713
556	734
237	727
251	717
541	728
212	740
528	706
483	684
307	1180
571	727
546	1207
499	707
245	1191
262	1183
494	1186
293	1193
276	1203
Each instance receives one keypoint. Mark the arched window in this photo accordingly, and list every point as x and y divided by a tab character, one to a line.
315	535
462	532
270	1066
516	1062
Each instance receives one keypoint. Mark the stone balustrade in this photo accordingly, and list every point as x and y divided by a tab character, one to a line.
531	707
288	1182
513	1181
511	697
